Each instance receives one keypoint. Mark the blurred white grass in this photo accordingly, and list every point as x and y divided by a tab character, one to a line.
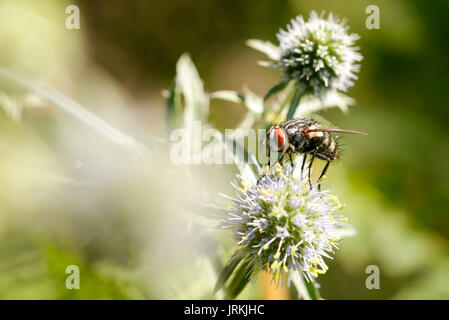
79	112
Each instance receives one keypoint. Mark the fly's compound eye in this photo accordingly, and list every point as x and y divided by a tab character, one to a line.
278	139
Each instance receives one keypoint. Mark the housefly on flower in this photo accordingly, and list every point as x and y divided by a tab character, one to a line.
305	136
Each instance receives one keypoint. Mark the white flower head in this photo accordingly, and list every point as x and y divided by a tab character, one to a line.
319	54
282	226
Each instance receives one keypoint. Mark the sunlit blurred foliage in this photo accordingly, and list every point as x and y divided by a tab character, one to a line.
34	38
70	196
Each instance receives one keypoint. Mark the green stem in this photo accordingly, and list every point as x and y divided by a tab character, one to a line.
306	289
290	93
294	104
313	291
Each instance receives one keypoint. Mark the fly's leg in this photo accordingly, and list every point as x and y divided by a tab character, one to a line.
282	156
310	168
303	164
278	160
291	160
269	158
323	173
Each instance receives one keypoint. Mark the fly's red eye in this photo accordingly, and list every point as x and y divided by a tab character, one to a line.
280	137
277	139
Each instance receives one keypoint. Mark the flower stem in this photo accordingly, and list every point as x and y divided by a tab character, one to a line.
294	104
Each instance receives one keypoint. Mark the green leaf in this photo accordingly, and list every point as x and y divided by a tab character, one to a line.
227	272
239	281
311	104
247	122
313	290
242	158
306	289
278	87
285	98
196	101
294	104
298	282
250	100
228	95
253	102
271	50
189	82
173	107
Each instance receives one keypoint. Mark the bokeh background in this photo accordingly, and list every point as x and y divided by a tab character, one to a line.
69	196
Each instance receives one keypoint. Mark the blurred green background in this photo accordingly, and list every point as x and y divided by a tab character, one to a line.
69	196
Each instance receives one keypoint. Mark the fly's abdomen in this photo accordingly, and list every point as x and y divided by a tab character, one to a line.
328	149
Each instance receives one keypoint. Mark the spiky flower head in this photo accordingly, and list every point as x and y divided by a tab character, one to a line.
282	226
319	54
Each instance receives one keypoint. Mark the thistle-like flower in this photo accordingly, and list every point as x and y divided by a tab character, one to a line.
319	54
282	226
